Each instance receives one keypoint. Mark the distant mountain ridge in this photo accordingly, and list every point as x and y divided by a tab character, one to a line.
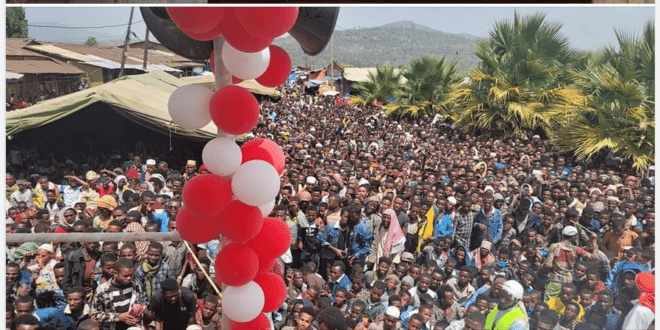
72	36
396	43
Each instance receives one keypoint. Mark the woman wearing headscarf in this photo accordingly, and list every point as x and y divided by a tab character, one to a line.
65	220
643	314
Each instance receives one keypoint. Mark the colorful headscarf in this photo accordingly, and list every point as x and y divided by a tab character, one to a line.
646	284
107	202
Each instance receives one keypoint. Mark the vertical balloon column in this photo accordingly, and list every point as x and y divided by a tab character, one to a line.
234	200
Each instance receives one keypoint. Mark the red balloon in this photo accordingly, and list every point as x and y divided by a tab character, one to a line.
234	110
197	20
239	38
241	222
278	69
266	150
235	80
236	265
273	240
274	291
207	195
259	323
265	265
196	229
206	36
267	21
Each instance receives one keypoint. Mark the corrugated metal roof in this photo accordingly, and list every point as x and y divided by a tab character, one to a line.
251	85
52	49
362	74
16	47
108	64
12	75
41	66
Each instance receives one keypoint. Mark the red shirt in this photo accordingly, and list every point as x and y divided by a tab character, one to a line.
102	191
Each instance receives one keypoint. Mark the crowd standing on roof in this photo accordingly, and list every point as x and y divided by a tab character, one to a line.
396	223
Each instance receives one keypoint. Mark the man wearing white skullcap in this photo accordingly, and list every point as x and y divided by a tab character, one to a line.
510	312
390	320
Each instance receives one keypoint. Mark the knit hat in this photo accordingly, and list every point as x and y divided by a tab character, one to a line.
408	279
569	231
46	247
151	162
107	202
305	196
393	311
514	288
392	276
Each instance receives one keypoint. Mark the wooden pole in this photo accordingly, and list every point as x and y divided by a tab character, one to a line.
128	37
208	278
146	50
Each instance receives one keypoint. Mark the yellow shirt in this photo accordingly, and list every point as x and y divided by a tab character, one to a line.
556	305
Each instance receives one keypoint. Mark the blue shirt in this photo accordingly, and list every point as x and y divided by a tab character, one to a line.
444	226
162	219
493	223
360	242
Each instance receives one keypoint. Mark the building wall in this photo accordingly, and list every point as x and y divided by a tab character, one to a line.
93	74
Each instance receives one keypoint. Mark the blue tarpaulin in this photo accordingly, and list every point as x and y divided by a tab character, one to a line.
293	76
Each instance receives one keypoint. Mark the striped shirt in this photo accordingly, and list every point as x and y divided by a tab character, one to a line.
110	301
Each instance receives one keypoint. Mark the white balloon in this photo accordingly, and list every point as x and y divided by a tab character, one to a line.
222	156
243	303
255	183
189	106
266	208
245	65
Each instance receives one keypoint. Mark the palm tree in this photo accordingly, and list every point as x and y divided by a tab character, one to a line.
616	111
380	86
428	81
522	70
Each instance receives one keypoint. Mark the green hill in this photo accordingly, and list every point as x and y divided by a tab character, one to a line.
394	43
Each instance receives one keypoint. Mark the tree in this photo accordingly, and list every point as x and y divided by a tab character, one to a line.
380	86
616	111
428	81
522	71
91	41
17	26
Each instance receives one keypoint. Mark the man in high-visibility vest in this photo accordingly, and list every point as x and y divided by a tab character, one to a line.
510	312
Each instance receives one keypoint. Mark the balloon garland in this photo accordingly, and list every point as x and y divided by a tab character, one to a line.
235	198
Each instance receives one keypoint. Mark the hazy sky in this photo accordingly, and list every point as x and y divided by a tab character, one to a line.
588	27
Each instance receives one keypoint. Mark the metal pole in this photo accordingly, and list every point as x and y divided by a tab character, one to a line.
146	50
128	37
92	237
222	78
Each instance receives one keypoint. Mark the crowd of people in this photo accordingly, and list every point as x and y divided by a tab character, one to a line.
27	99
396	223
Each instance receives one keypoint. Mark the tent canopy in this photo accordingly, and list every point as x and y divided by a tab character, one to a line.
141	98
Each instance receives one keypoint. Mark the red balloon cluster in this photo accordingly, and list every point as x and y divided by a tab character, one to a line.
208	211
234	110
248	29
266	150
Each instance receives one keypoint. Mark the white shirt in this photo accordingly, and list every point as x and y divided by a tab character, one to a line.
640	317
